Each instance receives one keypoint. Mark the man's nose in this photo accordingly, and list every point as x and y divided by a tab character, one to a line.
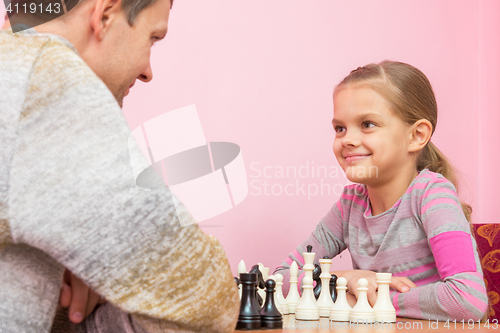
147	74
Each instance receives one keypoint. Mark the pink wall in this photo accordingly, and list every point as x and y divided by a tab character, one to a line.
261	74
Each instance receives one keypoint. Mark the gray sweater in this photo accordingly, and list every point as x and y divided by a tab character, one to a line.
68	199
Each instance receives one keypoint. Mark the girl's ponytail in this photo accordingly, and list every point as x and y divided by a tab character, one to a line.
433	159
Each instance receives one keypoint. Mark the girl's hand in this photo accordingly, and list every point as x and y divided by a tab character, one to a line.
401	284
79	297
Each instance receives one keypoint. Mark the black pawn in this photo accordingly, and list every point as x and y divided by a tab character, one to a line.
309	248
249	318
269	314
333	287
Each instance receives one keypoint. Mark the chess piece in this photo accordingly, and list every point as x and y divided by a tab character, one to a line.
307	308
261	294
384	310
308	262
293	296
276	300
317	279
249	317
264	270
333	287
237	282
279	294
325	301
362	311
265	273
242	268
269	315
341	310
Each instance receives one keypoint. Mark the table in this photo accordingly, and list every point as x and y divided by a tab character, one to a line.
324	325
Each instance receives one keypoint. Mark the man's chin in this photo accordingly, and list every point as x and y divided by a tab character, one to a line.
120	98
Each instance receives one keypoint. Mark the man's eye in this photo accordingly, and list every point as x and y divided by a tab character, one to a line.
155	39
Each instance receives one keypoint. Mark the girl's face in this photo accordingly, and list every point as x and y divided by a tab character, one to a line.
371	142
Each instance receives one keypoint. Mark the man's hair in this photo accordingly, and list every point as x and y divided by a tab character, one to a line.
132	8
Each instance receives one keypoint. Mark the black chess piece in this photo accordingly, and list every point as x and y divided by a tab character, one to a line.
316	274
309	248
237	281
249	318
260	283
269	314
333	287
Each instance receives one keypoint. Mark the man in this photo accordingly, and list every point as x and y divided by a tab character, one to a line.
67	195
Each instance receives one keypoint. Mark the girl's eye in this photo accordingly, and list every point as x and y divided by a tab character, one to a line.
339	129
367	124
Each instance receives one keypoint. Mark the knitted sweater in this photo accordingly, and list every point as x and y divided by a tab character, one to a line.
424	237
68	199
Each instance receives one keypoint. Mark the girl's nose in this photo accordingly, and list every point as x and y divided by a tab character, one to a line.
351	139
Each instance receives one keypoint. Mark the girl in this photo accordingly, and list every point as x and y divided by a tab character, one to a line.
404	215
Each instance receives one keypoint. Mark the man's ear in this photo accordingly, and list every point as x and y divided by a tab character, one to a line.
420	134
105	11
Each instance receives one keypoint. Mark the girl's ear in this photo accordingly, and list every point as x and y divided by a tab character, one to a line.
103	15
420	134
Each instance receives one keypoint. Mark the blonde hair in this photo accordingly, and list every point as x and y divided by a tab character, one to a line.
409	94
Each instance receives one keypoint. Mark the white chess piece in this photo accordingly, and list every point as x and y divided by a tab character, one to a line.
242	268
325	301
362	311
265	273
341	310
293	296
384	310
279	293
307	308
276	300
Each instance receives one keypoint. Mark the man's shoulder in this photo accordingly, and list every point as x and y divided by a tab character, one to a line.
23	49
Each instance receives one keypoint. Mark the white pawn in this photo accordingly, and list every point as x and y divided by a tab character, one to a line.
384	310
325	301
276	300
362	311
293	296
307	308
341	310
279	293
242	268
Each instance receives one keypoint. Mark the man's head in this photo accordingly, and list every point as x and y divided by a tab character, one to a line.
114	37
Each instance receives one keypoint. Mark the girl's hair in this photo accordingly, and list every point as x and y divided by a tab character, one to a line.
409	94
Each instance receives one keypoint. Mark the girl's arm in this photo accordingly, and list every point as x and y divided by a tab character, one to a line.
459	292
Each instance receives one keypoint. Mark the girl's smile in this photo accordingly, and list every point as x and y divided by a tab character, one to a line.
371	141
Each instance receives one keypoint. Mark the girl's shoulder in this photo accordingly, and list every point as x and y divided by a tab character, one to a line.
427	181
